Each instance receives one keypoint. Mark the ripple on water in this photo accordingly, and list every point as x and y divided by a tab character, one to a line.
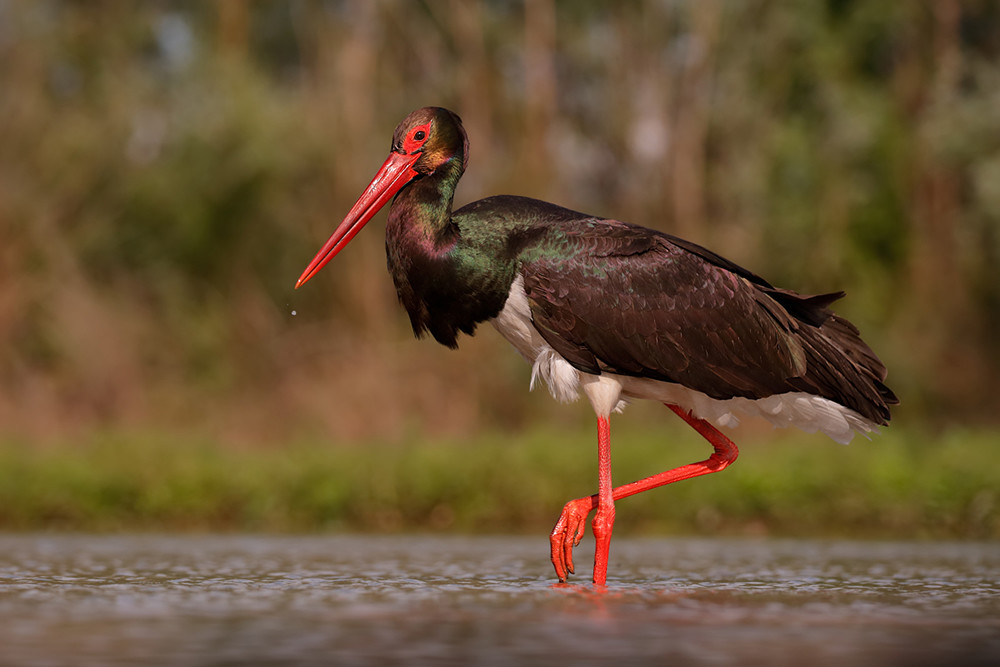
185	600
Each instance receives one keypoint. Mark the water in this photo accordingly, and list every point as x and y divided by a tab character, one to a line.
86	600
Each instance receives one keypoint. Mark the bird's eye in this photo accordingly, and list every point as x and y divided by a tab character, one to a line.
413	141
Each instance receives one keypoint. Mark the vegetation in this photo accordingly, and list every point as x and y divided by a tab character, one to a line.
902	486
167	169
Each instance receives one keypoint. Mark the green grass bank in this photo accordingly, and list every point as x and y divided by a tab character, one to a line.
903	484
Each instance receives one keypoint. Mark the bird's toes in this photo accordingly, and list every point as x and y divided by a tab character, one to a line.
562	561
567	534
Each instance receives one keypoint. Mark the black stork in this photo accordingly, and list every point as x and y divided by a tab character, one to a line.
618	311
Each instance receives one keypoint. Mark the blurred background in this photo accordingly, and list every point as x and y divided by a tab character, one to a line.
167	169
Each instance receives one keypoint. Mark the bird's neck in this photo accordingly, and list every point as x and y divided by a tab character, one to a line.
420	216
443	286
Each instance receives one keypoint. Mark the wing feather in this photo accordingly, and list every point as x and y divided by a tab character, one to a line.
619	298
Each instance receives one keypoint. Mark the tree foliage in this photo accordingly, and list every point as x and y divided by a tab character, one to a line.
166	169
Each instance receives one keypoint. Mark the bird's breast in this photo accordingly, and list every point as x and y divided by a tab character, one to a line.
445	289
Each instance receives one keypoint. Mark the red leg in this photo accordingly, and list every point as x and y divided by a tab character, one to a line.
570	527
604	519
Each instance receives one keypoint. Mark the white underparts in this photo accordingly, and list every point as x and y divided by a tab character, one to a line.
609	392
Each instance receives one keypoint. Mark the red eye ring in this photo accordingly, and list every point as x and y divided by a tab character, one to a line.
416	137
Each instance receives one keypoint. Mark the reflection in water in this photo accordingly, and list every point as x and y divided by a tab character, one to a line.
301	600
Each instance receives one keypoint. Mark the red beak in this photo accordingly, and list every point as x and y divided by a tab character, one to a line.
396	171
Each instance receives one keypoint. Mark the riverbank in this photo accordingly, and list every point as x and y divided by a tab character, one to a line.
904	484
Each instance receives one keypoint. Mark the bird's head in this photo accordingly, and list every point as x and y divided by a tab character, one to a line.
435	135
429	139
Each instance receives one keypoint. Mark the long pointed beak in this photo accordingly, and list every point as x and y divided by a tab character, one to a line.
396	171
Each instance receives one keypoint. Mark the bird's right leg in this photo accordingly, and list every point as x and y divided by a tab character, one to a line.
570	528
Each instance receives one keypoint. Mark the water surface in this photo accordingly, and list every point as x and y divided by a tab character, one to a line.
471	600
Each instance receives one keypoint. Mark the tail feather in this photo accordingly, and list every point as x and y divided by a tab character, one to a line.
839	364
846	336
858	378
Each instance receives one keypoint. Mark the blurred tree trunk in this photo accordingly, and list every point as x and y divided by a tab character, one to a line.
233	29
686	179
943	326
934	265
540	90
343	101
475	80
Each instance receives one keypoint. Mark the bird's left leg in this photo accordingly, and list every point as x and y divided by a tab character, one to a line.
572	522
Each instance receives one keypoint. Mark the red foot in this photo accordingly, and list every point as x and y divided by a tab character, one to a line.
568	533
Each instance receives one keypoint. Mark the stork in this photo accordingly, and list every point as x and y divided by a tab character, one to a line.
613	310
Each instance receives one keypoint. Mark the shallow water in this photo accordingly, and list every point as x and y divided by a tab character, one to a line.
87	600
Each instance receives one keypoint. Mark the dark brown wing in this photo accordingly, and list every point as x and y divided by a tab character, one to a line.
614	297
